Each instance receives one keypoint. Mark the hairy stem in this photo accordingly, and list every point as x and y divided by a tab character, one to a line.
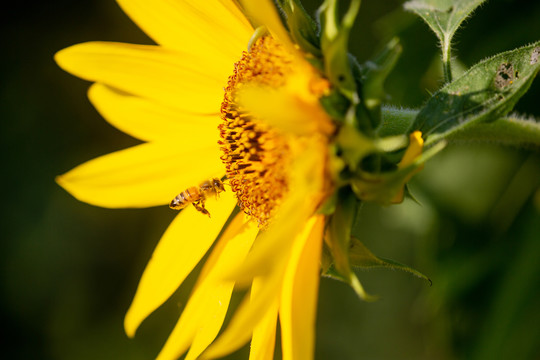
446	60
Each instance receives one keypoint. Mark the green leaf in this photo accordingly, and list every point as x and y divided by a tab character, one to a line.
361	257
489	90
444	17
515	130
511	130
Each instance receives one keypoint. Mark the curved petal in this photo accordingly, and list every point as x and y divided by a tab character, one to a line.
252	311
148	120
179	250
184	81
205	311
144	175
263	340
213	28
414	150
247	317
211	309
264	13
302	117
298	306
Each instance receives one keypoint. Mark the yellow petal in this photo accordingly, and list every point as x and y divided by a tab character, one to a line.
145	175
212	310
148	120
416	144
185	81
182	246
264	13
241	229
301	118
247	316
207	306
213	28
214	313
252	311
275	242
299	205
299	298
264	335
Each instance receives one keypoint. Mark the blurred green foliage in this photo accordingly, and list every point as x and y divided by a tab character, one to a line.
69	269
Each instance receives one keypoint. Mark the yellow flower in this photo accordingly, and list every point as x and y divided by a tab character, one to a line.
205	108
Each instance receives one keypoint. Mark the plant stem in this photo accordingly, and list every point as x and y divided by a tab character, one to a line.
446	60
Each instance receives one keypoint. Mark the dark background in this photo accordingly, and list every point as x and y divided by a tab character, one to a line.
69	270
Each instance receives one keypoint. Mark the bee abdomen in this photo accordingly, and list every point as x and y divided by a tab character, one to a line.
178	202
185	198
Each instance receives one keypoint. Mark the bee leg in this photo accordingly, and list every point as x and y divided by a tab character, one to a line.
200	207
201	201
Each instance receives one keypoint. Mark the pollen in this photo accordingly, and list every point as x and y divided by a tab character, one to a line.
255	155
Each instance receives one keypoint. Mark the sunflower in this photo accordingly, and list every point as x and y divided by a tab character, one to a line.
217	99
171	96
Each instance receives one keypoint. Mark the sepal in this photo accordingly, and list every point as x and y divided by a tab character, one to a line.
355	146
353	281
304	30
388	187
334	46
338	231
361	257
374	75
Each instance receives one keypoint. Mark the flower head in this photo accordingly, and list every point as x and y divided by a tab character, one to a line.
272	123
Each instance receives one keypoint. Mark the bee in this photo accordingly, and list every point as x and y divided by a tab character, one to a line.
197	195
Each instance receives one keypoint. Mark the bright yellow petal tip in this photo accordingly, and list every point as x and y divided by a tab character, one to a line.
416	144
